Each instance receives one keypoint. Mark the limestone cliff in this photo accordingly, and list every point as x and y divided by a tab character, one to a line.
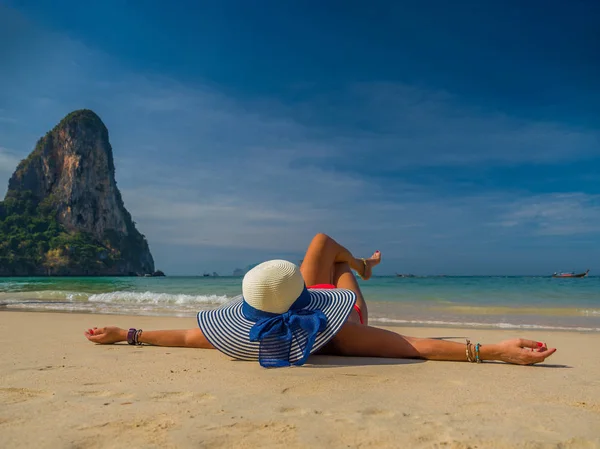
68	185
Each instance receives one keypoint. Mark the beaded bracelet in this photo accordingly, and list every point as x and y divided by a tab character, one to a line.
136	339
477	359
468	351
131	336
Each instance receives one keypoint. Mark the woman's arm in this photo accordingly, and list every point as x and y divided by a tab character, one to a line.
186	338
358	341
518	351
366	341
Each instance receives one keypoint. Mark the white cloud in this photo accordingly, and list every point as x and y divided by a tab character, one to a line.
401	126
8	160
8	164
6	119
199	168
555	214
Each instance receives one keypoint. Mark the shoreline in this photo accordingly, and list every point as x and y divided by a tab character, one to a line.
59	390
376	321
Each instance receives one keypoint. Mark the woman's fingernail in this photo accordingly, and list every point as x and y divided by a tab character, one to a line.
540	344
92	331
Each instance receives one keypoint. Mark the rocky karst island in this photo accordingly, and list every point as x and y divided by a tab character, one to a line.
63	214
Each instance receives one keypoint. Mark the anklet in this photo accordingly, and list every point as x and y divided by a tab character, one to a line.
365	268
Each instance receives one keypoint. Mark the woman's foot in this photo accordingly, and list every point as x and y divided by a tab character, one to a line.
366	271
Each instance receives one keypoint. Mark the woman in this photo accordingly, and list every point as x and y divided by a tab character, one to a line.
279	322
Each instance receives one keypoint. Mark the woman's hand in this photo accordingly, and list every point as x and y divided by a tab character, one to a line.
106	335
522	352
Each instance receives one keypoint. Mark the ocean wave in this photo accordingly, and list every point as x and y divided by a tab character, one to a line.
51	295
483	325
591	312
118	297
86	307
547	310
119	302
11	287
157	298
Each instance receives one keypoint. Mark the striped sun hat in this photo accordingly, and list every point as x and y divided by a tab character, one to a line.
277	321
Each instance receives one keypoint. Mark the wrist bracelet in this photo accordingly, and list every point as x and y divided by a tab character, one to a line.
131	336
136	339
468	351
477	346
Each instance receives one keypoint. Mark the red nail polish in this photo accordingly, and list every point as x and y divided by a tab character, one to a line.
92	331
540	344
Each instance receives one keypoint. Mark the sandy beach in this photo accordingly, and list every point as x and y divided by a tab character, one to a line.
57	390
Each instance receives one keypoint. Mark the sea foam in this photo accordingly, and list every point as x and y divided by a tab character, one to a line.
148	297
393	321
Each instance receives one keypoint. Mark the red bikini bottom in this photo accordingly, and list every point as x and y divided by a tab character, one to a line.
330	286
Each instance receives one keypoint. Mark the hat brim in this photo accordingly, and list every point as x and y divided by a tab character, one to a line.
228	330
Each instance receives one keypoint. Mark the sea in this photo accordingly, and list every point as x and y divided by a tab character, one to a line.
472	302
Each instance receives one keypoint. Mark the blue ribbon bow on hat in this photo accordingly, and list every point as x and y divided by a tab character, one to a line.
276	332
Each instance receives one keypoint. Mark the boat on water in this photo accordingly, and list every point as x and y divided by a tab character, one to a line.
571	275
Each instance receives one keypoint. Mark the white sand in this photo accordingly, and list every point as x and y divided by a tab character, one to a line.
57	390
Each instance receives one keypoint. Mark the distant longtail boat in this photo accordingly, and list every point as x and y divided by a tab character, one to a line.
570	275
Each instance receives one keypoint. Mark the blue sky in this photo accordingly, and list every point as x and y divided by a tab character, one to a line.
455	137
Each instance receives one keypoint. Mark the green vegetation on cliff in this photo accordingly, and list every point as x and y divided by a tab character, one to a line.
32	241
63	214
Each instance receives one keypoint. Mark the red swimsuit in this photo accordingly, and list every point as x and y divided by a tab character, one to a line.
330	286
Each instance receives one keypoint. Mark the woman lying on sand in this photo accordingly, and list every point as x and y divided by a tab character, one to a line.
279	322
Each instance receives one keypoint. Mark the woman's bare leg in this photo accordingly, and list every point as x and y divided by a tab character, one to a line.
354	340
343	278
323	252
328	262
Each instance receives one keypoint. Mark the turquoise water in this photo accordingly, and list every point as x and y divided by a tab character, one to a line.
501	302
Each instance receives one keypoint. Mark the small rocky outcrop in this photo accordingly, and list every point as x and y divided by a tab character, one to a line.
63	213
